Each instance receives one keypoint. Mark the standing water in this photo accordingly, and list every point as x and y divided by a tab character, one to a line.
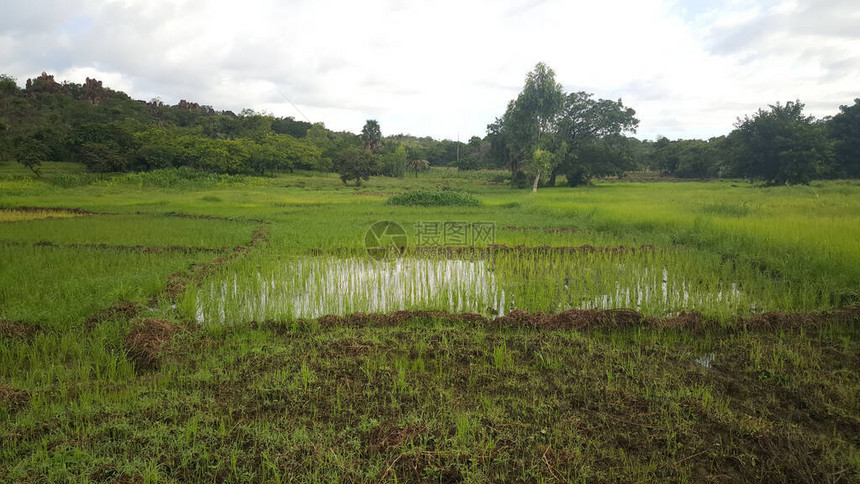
312	287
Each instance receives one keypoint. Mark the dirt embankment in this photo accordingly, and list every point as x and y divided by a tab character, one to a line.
590	318
78	211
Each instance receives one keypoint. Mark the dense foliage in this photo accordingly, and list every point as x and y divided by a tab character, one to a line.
547	132
357	164
544	133
844	129
110	132
435	198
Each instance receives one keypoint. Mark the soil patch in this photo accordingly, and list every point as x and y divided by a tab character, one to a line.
18	329
118	310
125	248
178	282
388	436
587	318
13	398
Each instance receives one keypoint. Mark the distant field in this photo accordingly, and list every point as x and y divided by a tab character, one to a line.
176	328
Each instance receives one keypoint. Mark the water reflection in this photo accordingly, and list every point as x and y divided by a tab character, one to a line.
309	287
312	287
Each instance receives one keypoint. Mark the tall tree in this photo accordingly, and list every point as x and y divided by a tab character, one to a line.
529	121
371	136
780	145
844	128
590	139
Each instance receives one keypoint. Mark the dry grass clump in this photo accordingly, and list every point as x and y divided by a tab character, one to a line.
147	340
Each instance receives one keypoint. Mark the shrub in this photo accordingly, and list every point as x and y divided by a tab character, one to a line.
437	198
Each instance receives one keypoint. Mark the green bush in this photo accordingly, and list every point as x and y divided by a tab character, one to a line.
437	198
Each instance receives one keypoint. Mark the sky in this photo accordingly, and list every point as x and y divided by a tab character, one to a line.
447	68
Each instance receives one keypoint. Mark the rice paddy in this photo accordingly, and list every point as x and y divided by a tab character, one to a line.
653	282
234	329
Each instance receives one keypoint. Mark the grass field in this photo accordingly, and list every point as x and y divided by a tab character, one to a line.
176	327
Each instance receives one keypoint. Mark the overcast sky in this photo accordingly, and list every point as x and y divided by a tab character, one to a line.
446	68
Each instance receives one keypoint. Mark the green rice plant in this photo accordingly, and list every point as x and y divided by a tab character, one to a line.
315	286
502	359
400	384
306	375
130	230
465	430
61	287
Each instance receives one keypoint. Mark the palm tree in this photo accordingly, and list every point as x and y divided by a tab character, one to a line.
371	135
417	165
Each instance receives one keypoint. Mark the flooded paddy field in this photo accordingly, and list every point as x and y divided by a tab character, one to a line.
654	282
236	331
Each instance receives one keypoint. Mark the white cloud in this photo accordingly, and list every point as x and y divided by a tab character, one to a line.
689	67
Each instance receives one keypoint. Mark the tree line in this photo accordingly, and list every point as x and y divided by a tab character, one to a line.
108	131
543	134
546	132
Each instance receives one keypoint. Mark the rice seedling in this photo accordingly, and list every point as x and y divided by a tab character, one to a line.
129	230
311	287
61	287
654	282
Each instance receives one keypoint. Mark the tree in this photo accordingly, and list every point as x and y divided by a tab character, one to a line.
541	100
475	154
31	153
371	136
529	120
416	166
547	132
542	161
500	146
8	85
157	149
101	158
844	129
394	163
356	164
590	139
780	145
